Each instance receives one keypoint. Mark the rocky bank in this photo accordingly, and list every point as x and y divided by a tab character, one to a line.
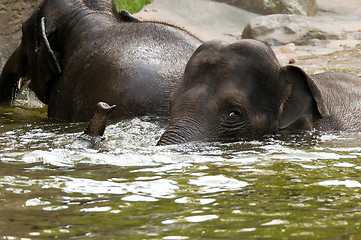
294	28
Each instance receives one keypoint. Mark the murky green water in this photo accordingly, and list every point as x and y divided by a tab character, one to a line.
304	186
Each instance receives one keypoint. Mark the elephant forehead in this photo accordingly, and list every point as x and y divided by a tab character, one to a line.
221	95
232	66
232	97
244	51
247	94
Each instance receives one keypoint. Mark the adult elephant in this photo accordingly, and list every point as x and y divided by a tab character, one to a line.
79	52
240	90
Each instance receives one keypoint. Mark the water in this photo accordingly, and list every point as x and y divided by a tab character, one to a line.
302	186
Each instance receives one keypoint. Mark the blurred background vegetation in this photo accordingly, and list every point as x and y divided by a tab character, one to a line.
131	6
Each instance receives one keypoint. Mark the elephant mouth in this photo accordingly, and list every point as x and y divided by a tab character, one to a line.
21	84
42	93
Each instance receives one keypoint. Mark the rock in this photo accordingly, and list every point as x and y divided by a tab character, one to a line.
265	7
292	61
12	14
281	29
207	20
345	9
288	48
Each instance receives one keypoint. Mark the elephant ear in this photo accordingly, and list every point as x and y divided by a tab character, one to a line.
48	55
302	99
125	16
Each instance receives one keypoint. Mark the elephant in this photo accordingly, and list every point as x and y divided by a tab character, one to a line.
77	53
237	91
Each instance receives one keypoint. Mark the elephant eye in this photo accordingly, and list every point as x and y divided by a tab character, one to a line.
232	117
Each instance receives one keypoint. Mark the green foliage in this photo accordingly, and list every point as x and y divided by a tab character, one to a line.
131	6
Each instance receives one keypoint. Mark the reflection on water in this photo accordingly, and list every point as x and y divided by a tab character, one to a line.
303	186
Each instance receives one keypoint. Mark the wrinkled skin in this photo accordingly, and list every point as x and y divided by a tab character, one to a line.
96	125
80	52
240	91
93	133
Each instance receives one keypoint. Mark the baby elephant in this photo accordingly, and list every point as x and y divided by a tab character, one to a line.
236	91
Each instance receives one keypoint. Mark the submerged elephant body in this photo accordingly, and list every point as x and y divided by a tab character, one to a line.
342	95
78	53
236	91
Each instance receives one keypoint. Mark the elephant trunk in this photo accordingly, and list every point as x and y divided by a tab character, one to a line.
15	67
183	131
171	137
97	124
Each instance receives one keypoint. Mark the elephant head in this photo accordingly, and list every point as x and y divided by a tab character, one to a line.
39	55
236	91
35	58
